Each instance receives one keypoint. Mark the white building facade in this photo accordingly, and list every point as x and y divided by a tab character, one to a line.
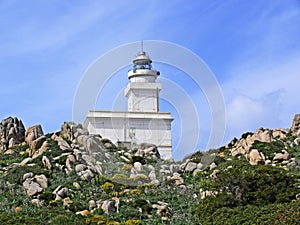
142	123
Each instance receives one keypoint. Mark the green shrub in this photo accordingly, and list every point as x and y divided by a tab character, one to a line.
287	213
15	175
138	159
47	196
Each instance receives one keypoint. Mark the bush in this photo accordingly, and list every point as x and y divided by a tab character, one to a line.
287	213
138	159
243	185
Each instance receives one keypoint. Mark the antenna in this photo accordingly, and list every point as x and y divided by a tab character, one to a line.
142	45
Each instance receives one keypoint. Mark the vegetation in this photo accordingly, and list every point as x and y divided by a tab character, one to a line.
238	193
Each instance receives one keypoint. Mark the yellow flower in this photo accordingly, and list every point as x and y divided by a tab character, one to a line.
133	222
135	192
107	186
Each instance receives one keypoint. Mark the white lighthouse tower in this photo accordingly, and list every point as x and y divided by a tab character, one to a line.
142	91
142	123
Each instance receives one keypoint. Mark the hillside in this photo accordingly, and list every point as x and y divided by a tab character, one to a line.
71	177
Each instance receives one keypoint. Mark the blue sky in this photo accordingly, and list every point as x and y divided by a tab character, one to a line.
252	47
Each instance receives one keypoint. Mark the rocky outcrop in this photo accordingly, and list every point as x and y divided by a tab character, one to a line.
12	132
33	132
283	156
34	184
163	209
255	157
38	146
296	125
146	149
108	207
60	193
243	145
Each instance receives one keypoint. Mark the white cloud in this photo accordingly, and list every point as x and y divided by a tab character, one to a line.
265	96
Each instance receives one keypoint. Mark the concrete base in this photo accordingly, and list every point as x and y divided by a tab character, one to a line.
133	127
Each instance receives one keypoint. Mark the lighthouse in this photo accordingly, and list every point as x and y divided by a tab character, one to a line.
142	91
142	122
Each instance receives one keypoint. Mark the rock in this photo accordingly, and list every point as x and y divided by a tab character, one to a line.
78	154
67	202
133	171
80	167
263	135
268	162
45	146
77	185
165	172
9	152
152	175
63	145
140	152
31	188
35	145
244	145
69	165
149	149
108	145
72	158
28	175
25	161
117	203
297	141
125	159
96	168
283	156
190	167
162	210
138	166
206	193
199	166
255	157
279	133
183	165
41	180
174	168
63	193
93	144
33	132
60	193
155	182
108	207
212	166
178	179
92	204
196	171
86	175
79	131
12	132
213	175
296	125
46	162
298	196
67	130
